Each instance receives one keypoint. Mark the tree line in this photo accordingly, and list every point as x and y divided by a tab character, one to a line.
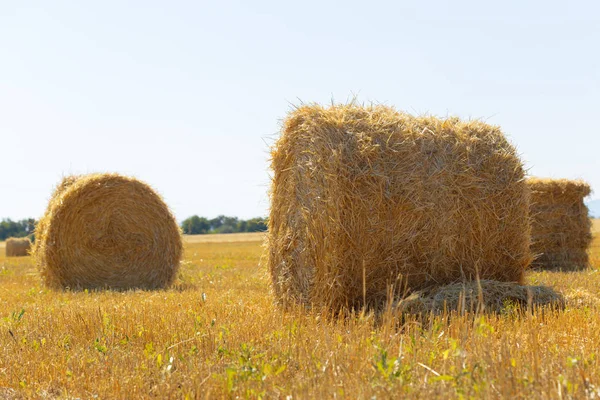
10	228
196	225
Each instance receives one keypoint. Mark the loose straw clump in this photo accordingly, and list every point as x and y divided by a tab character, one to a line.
483	296
561	228
107	231
17	247
367	202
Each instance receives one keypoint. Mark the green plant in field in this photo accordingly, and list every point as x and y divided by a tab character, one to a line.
391	367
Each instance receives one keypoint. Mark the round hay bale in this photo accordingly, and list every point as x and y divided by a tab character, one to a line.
17	247
367	202
561	229
107	231
65	182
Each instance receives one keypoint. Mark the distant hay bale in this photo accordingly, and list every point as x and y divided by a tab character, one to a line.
485	296
17	247
561	229
107	231
366	200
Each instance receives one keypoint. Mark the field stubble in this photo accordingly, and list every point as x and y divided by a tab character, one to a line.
218	334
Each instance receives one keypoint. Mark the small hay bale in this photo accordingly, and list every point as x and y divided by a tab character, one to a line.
368	200
561	230
17	247
107	231
486	296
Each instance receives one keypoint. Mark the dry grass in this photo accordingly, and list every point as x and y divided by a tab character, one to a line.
368	198
217	334
225	237
595	225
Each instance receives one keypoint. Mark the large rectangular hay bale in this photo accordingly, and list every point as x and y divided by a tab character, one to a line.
17	247
561	229
367	202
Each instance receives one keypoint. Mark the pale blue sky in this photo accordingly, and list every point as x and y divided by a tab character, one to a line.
186	95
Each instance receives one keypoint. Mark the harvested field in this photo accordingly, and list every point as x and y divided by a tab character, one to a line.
216	333
226	237
595	225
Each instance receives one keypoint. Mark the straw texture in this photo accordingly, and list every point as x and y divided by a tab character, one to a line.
368	200
561	228
107	231
484	296
17	247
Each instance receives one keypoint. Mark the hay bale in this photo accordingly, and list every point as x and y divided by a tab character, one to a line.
365	200
484	296
63	185
561	229
17	247
107	231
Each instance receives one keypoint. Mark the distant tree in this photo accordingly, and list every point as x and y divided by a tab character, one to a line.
257	225
30	225
195	225
216	223
10	228
228	225
226	229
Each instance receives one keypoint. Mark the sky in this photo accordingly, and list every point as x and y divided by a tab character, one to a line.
188	95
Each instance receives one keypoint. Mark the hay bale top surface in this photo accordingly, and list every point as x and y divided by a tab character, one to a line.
372	128
379	140
559	187
18	240
107	231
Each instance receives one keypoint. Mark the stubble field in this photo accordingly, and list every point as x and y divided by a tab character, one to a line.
217	334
